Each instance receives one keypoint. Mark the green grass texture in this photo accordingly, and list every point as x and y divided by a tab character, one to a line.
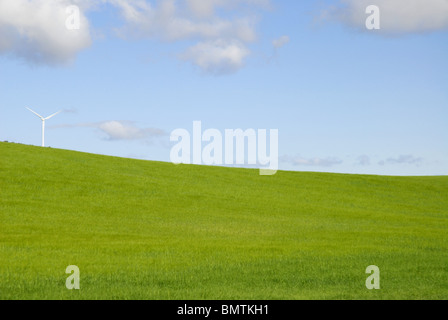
158	231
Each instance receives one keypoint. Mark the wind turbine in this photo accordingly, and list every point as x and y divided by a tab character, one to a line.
43	123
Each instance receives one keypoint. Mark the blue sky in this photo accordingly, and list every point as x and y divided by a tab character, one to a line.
344	98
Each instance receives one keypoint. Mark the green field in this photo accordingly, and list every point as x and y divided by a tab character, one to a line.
152	230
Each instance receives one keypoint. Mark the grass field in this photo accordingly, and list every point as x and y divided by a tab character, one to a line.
151	230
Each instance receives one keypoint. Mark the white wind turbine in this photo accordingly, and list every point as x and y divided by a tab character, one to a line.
43	123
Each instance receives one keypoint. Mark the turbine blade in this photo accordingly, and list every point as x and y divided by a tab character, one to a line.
35	113
53	115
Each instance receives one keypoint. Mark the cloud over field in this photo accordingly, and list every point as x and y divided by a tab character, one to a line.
119	130
125	130
311	162
402	159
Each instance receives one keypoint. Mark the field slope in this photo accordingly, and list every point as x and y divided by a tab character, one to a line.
152	230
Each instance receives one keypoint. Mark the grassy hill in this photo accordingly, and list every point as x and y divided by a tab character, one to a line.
151	230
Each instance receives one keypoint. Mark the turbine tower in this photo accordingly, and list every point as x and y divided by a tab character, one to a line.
43	123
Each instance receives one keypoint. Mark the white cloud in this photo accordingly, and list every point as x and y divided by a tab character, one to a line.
116	130
396	16
217	57
125	130
201	8
220	39
119	130
35	31
277	44
207	8
280	42
171	21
